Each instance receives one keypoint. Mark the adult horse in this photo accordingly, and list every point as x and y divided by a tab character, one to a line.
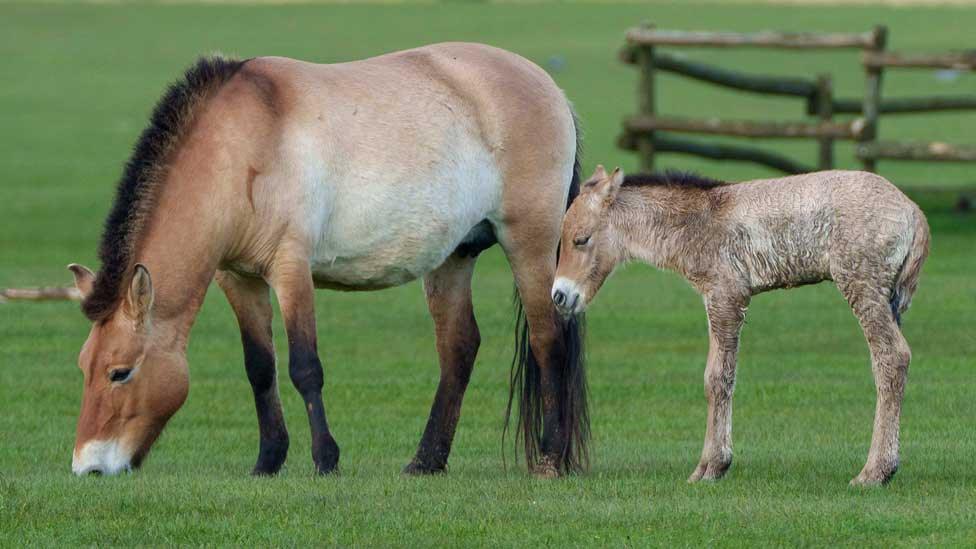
278	174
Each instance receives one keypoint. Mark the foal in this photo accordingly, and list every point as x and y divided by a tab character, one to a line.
734	241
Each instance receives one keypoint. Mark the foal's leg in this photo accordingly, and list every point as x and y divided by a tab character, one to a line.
890	356
292	282
448	290
725	317
249	297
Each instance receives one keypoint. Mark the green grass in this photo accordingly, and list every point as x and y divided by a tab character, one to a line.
78	82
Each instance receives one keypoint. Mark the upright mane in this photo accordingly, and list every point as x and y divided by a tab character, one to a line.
136	194
673	178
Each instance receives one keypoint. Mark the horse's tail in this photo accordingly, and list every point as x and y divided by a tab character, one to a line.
525	378
907	281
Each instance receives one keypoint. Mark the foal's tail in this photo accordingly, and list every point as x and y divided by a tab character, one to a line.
907	281
570	379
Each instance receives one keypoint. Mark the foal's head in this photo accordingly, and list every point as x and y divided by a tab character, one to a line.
589	251
131	385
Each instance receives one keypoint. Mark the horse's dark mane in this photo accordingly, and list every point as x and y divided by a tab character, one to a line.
137	190
671	177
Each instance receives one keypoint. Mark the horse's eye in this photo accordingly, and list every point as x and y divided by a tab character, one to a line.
120	375
581	240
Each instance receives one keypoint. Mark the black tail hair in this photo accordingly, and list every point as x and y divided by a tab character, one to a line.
525	379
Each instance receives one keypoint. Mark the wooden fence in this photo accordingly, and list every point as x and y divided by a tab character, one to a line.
649	133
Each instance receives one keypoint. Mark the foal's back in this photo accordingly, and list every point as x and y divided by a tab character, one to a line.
803	229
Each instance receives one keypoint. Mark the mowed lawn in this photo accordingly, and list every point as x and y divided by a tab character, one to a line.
77	85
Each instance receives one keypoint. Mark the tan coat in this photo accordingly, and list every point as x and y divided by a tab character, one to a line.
734	241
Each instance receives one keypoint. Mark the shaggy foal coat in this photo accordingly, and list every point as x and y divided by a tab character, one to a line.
734	241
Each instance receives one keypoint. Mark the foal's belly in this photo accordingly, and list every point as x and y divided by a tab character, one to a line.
378	233
785	253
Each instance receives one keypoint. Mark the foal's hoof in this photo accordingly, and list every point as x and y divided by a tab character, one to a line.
415	469
873	477
710	470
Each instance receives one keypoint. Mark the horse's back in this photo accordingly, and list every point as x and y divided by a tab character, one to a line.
383	166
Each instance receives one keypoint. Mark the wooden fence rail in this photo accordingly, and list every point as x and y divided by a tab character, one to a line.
644	132
744	128
963	61
649	36
40	294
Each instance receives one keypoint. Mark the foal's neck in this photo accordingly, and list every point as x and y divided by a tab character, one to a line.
668	226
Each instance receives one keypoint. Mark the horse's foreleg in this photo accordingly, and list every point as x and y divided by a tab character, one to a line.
890	356
448	290
249	297
292	282
725	317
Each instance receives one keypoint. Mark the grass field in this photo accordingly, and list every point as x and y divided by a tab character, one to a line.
77	84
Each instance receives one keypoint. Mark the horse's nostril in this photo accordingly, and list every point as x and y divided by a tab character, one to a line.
558	297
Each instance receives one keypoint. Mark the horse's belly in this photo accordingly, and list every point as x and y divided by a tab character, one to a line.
379	233
395	260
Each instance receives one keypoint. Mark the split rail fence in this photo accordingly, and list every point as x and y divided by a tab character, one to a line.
649	133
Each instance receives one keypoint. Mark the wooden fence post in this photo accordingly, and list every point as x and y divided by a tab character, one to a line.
825	111
645	102
872	94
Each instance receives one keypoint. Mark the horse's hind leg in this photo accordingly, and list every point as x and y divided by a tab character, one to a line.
249	297
890	356
725	317
553	386
448	290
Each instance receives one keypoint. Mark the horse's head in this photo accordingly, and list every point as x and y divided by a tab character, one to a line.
589	251
132	385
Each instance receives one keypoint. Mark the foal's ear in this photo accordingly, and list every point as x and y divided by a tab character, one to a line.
139	299
607	188
598	175
84	279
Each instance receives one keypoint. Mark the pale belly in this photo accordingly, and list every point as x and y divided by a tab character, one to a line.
377	232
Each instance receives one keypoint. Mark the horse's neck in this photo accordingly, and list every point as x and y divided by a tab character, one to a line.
182	247
668	228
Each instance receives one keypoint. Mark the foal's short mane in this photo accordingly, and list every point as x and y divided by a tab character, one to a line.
673	178
137	190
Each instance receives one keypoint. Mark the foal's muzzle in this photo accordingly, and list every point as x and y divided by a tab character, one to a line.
567	297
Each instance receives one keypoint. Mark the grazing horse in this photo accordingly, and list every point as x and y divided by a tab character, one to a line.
734	241
279	174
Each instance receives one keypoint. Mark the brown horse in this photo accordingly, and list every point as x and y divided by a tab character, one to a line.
278	174
734	241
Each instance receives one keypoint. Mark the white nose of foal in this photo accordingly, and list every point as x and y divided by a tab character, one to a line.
567	297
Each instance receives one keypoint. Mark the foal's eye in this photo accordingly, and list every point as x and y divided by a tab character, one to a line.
120	375
581	240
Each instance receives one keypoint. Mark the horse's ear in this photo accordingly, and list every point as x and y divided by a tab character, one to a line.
84	279
139	299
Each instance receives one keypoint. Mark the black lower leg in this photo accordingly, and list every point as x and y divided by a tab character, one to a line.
305	370
435	445
259	361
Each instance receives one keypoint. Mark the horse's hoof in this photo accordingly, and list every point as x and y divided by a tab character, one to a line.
326	457
415	469
271	457
546	469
